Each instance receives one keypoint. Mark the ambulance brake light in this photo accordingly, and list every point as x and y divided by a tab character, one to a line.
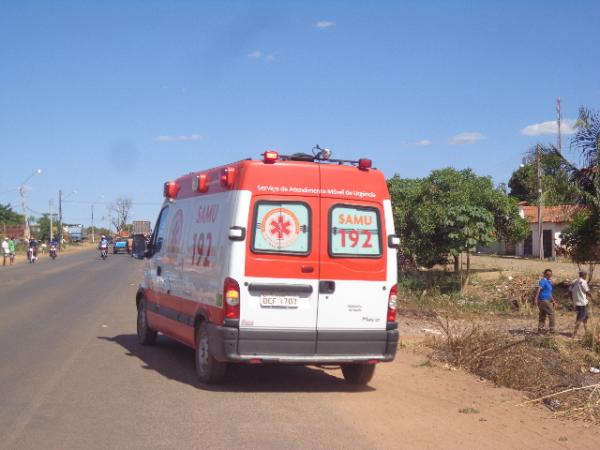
364	164
270	156
171	189
392	304
231	297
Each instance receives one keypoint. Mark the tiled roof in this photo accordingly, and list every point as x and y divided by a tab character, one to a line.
550	214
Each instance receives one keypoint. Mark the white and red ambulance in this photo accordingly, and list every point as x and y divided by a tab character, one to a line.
288	259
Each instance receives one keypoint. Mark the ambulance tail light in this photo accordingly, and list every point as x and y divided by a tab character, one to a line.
231	297
270	156
364	164
228	177
392	304
171	189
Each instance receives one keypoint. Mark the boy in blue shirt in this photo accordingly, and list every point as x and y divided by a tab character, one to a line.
545	301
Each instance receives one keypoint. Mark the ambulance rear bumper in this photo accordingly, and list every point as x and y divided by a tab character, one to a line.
230	344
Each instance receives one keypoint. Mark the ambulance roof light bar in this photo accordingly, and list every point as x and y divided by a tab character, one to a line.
319	154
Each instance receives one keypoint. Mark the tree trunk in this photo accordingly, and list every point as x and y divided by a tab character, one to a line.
468	276
456	264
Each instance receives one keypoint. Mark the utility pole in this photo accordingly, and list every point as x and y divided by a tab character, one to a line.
93	234
558	119
50	209
538	152
60	225
24	207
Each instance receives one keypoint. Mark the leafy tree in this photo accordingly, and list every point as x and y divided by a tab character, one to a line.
451	212
44	227
582	238
556	184
8	216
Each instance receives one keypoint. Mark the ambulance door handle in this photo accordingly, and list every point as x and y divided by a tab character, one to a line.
158	271
326	287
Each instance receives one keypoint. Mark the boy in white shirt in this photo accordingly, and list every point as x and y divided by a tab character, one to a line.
580	292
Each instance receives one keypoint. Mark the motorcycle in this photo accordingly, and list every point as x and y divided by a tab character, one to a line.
53	252
31	255
104	252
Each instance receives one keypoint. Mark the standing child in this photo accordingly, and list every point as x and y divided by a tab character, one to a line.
580	292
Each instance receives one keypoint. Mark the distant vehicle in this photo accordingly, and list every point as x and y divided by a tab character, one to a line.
76	233
138	247
141	227
121	245
288	259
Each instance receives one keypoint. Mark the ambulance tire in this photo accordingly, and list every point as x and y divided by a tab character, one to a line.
359	374
146	335
208	369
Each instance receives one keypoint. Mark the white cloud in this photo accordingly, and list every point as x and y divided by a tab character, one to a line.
324	24
423	143
180	138
256	54
468	137
567	126
270	58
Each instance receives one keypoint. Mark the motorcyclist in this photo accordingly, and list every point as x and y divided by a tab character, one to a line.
103	244
33	249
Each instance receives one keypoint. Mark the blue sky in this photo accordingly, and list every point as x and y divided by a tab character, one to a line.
112	98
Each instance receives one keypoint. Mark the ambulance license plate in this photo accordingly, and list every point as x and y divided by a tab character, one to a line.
276	301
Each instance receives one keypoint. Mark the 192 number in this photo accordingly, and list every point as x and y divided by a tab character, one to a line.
353	237
202	243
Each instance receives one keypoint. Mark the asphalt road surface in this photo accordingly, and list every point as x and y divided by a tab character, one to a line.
72	376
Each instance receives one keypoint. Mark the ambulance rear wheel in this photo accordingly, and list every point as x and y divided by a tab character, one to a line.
359	374
146	335
208	369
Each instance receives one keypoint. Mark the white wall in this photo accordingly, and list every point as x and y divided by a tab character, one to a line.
556	230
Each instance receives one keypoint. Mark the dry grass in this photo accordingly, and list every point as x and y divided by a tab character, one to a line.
539	365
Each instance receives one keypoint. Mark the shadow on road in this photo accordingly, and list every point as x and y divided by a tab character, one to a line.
176	362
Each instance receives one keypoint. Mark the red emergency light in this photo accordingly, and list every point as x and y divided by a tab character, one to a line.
364	164
270	156
200	183
171	189
228	177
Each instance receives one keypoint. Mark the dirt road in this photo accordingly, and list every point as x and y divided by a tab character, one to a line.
73	376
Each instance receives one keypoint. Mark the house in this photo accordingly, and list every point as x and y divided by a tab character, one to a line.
554	220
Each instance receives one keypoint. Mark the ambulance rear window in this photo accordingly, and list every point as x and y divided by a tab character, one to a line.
281	228
354	232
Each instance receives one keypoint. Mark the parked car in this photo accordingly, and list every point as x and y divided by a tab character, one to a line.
288	259
120	245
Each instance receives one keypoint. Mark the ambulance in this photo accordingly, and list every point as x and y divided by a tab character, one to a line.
284	259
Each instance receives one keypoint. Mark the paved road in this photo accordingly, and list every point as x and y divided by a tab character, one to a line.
72	376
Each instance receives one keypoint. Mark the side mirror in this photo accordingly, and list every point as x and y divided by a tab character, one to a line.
393	241
148	251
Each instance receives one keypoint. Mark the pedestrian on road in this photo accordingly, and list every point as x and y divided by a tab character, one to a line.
5	251
580	291
545	302
11	247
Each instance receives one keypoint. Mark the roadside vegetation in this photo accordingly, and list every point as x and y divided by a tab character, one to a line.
484	318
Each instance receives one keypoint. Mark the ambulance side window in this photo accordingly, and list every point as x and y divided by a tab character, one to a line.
160	230
281	228
354	232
